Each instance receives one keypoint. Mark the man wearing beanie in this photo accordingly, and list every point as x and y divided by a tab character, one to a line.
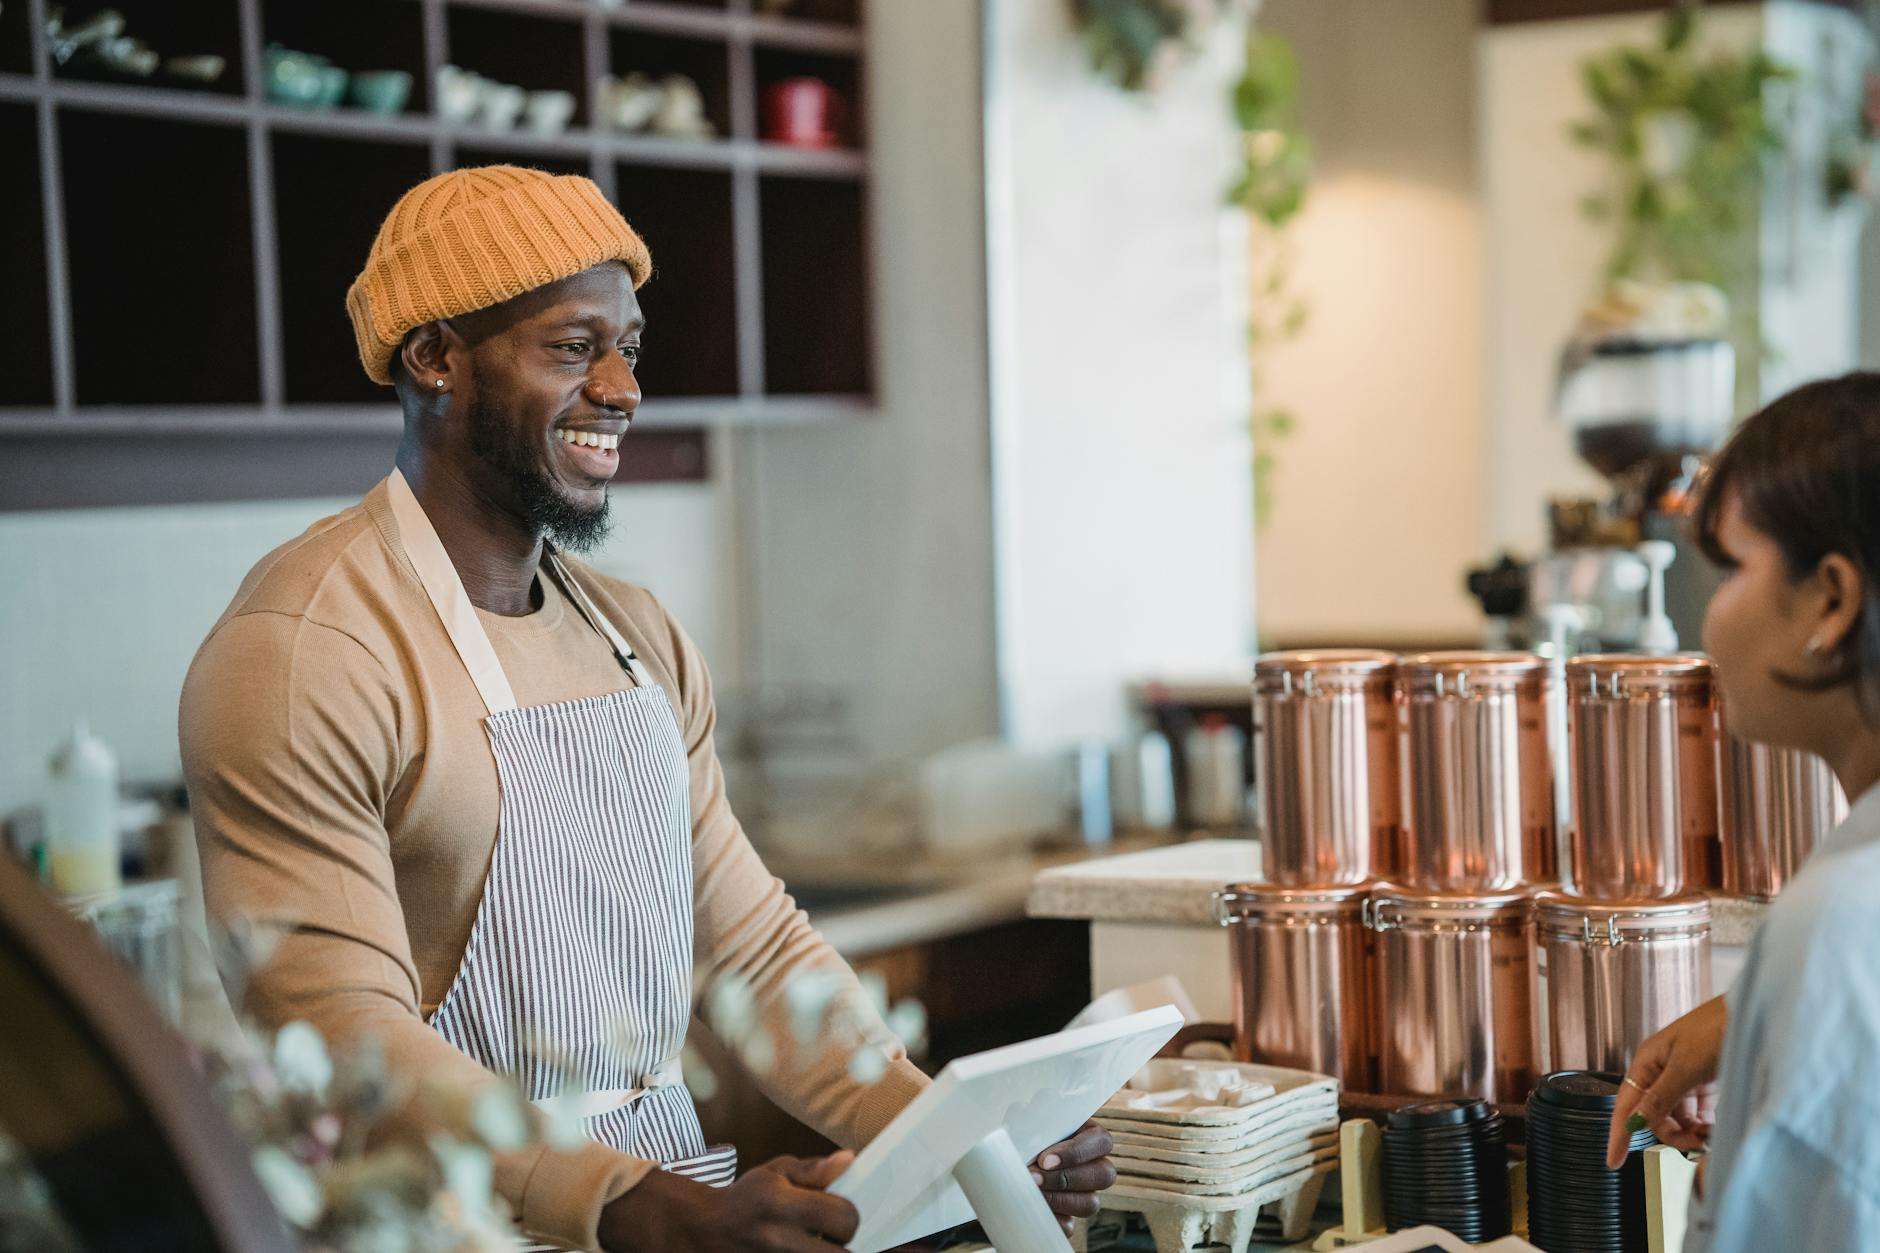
473	782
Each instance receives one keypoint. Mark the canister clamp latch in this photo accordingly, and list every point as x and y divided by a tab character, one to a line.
1611	937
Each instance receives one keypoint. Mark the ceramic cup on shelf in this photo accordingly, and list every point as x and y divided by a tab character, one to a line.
205	68
501	104
293	78
458	94
801	113
628	104
383	92
549	112
681	112
333	82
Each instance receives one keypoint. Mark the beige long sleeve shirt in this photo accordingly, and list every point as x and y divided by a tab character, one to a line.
343	788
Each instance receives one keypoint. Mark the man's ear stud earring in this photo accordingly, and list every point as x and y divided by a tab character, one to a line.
438	383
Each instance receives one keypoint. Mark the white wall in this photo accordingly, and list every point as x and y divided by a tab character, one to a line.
870	543
102	609
1375	509
1811	253
1121	458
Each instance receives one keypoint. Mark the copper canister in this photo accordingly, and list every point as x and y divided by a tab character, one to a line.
1325	752
1643	751
1612	974
1777	803
1453	993
1302	978
1478	782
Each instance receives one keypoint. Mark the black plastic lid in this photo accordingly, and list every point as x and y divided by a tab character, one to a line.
1580	1089
1438	1114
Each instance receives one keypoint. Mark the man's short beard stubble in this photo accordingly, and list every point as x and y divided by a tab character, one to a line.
509	451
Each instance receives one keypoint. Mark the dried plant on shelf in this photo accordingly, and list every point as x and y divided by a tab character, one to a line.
356	1163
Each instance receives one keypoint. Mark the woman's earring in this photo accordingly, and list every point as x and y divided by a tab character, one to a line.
438	383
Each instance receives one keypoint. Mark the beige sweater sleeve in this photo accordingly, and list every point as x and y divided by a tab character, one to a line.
291	749
747	928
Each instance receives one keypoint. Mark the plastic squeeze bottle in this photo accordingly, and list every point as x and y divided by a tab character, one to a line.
82	851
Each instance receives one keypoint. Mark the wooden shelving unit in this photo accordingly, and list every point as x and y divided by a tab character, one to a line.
177	258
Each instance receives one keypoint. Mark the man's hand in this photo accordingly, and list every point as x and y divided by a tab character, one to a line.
1668	1084
1073	1171
780	1207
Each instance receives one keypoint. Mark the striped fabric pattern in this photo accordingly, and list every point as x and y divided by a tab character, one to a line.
579	965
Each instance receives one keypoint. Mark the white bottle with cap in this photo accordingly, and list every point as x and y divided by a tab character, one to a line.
82	854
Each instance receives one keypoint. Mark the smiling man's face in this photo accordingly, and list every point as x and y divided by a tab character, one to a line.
551	392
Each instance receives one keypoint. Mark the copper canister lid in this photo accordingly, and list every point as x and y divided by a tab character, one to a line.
1620	673
1457	673
1560	914
1306	669
1392	905
1272	900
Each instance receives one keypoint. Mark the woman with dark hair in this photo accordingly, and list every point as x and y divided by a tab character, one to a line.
1791	515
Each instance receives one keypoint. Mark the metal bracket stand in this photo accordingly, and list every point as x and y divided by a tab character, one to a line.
999	1187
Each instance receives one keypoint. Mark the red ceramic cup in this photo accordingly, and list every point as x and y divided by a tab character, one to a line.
802	113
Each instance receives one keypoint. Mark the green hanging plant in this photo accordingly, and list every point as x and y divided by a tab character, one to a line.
1686	135
1137	43
1275	173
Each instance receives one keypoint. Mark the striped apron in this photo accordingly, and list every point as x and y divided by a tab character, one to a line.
578	972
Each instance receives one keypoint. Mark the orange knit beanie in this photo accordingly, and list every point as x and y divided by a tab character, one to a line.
468	239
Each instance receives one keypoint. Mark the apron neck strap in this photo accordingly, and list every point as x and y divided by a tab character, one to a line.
623	651
445	590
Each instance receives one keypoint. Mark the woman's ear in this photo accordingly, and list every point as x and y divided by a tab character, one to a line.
1842	591
425	354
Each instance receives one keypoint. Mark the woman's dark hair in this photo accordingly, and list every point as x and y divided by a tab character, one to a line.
1806	473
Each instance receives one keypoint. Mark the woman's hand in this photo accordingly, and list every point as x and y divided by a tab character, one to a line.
1668	1084
1073	1171
780	1207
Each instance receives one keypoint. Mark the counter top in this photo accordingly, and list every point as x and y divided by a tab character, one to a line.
863	906
1175	885
1170	885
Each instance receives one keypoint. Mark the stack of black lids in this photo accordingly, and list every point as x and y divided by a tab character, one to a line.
1576	1205
1446	1164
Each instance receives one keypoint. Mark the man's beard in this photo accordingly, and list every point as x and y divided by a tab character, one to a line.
509	452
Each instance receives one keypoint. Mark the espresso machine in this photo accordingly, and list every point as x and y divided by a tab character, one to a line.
1621	574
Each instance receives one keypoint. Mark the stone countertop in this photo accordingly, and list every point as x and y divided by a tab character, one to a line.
1171	885
884	904
1176	885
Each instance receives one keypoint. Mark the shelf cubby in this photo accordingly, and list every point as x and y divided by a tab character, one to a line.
321	251
171	29
685	216
180	330
534	53
706	62
16	40
493	151
25	327
774	65
840	12
160	248
816	335
357	35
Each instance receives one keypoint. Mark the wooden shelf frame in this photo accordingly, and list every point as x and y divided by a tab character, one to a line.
741	155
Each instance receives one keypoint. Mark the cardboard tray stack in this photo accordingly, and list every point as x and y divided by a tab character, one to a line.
1200	1140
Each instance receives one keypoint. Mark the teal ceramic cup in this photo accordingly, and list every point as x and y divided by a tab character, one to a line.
383	92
